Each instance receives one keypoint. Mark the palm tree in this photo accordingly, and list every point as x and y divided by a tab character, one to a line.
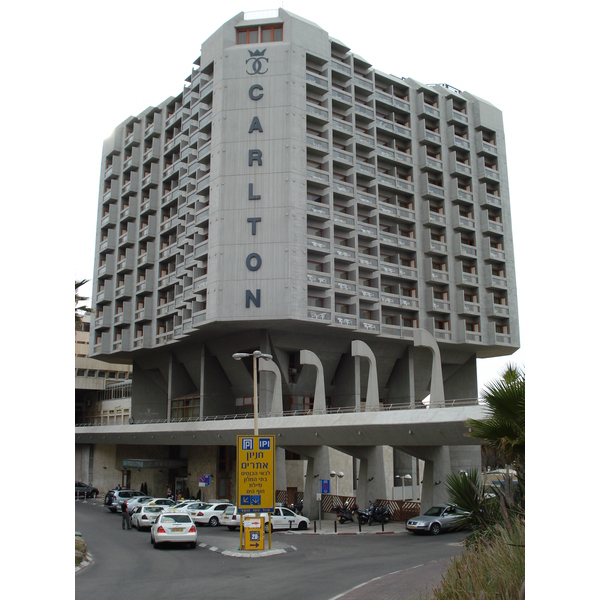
80	310
504	431
504	428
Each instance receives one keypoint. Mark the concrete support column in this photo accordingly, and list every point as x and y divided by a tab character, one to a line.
437	467
424	338
375	475
310	358
317	468
361	350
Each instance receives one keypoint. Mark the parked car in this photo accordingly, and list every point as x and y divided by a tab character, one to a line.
115	498
181	506
164	502
133	503
207	513
438	518
281	518
85	490
173	527
144	516
230	518
284	518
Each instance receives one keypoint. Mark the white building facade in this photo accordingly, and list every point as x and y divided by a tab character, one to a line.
294	199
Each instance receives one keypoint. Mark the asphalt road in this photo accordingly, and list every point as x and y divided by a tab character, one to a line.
398	566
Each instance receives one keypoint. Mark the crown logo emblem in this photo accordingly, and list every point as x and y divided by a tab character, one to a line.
256	58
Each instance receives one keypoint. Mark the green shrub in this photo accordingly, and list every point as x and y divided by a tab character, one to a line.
491	567
80	550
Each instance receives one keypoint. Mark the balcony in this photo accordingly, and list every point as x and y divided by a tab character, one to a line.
432	190
345	287
492	254
341	96
319	314
460	194
316	143
345	320
370	294
466	308
366	230
316	82
344	254
318	177
367	262
342	219
483	146
363	83
494	280
462	222
130	188
498	311
318	244
318	279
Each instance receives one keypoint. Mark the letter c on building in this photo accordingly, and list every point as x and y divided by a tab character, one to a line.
252	94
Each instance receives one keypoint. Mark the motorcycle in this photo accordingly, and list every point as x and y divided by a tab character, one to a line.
377	513
345	513
362	515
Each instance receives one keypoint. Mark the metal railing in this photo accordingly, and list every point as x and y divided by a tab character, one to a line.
289	413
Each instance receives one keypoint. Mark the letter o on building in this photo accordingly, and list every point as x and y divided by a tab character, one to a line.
253	262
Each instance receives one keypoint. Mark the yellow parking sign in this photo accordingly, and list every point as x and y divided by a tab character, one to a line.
254	529
256	473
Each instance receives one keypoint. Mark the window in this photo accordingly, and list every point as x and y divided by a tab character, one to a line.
268	33
272	33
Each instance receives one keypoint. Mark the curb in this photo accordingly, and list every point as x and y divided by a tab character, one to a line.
247	554
84	563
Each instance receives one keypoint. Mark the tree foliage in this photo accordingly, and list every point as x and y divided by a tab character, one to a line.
80	311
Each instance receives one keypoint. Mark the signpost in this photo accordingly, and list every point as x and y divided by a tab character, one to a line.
256	475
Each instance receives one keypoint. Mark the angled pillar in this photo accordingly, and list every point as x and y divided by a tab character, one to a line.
274	405
310	358
361	350
436	397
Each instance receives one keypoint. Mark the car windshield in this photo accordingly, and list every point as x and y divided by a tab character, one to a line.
176	519
435	511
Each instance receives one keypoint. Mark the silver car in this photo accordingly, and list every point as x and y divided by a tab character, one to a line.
438	518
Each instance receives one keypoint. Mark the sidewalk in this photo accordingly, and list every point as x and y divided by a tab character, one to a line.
282	540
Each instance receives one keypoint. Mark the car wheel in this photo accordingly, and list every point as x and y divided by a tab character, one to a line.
267	527
95	495
435	528
302	526
213	522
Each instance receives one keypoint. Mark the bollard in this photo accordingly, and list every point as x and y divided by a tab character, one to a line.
382	526
290	525
335	526
359	527
315	526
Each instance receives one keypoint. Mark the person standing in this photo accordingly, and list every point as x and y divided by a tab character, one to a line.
126	517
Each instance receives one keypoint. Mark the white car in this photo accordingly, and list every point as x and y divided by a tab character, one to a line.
281	518
181	506
284	518
144	516
174	528
133	503
230	518
207	513
164	502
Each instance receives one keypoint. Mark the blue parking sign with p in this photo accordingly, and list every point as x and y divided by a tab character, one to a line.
264	444
247	443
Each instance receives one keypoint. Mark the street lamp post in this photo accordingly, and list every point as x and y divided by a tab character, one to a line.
255	356
403	477
338	475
